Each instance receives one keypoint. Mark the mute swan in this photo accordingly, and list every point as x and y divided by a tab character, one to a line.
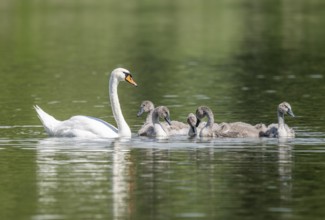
89	127
280	129
159	130
176	127
232	130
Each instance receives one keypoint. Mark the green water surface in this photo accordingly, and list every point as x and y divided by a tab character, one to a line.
239	57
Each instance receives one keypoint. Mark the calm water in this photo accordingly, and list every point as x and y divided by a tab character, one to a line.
239	57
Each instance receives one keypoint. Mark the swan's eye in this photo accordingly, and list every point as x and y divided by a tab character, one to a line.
126	73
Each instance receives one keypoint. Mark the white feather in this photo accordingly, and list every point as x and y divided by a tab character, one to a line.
90	127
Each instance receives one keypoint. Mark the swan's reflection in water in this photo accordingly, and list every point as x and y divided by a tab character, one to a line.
74	179
89	177
119	179
122	181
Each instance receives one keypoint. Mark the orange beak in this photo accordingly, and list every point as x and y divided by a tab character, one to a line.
130	80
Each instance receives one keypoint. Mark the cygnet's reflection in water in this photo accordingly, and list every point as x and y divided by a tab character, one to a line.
285	169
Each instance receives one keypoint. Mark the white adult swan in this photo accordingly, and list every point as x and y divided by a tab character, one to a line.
280	129
90	127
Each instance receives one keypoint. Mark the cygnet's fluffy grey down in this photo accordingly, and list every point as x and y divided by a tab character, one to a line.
191	120
210	129
240	130
280	129
146	107
159	130
176	127
193	131
235	129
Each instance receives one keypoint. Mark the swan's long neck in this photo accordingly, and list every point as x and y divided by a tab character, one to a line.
154	117
210	117
123	128
280	119
159	129
149	118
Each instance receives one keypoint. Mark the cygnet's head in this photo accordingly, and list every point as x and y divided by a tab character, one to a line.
123	75
163	113
285	108
201	112
191	120
146	106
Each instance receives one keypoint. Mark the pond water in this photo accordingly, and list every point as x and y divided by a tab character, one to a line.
239	57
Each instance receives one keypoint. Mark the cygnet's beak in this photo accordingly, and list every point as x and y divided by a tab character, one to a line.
140	112
197	122
167	119
290	113
130	80
193	129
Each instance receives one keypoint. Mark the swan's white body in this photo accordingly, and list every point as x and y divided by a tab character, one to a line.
76	126
90	127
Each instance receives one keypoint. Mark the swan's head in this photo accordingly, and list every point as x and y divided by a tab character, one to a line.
146	106
123	75
163	112
191	120
201	112
285	108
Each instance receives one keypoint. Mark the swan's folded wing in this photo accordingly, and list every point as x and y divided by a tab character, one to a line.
85	126
105	123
